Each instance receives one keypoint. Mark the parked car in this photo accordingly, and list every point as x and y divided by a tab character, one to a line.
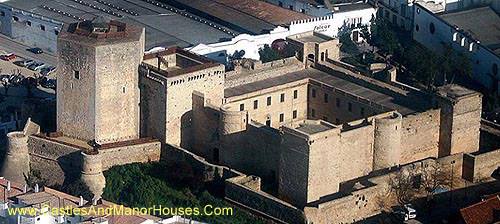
45	71
4	78
24	63
48	83
8	57
36	50
16	79
405	212
36	66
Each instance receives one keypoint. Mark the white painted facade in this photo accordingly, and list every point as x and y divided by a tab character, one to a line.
484	61
316	10
250	44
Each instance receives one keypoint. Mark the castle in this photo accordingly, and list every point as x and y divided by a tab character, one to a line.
304	125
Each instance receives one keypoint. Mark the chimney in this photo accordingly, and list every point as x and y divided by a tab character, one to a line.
80	203
8	185
37	188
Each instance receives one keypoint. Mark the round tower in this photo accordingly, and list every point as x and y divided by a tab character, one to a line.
387	141
232	127
92	174
17	163
232	121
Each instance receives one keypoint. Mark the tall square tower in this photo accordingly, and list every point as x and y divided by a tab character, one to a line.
97	80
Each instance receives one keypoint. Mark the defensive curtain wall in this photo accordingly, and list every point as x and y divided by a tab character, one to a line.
60	160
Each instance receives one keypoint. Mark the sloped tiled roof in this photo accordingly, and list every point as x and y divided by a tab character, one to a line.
484	212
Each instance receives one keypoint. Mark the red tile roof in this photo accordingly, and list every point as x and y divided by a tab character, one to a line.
484	212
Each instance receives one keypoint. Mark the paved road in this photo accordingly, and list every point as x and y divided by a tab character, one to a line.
10	46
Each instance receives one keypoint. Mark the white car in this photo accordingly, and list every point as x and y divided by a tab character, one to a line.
405	212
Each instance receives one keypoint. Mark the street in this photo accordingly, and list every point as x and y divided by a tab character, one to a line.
10	46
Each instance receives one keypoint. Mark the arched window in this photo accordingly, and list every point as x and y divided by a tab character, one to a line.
417	27
432	28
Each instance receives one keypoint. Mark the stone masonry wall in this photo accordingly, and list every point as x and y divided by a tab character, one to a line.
59	162
263	71
137	153
478	167
56	162
245	191
209	81
420	136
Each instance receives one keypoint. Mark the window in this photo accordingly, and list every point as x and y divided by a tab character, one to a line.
282	117
268	122
76	74
417	28
294	114
15	18
322	56
242	107
282	97
349	107
326	98
291	7
494	69
337	102
362	111
269	101
123	89
28	23
432	28
42	27
313	93
280	4
56	32
337	121
255	104
313	113
295	94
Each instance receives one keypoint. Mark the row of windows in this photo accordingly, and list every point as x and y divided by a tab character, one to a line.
282	118
337	102
28	23
269	100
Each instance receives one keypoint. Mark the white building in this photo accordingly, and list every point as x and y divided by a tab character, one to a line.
309	7
353	17
400	12
474	32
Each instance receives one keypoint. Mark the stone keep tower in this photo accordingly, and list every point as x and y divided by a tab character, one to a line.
97	80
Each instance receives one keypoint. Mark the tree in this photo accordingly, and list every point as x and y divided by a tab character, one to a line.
29	83
384	37
268	54
433	177
401	185
348	46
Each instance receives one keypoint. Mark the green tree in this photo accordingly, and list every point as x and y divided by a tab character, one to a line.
348	46
384	36
268	54
145	185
